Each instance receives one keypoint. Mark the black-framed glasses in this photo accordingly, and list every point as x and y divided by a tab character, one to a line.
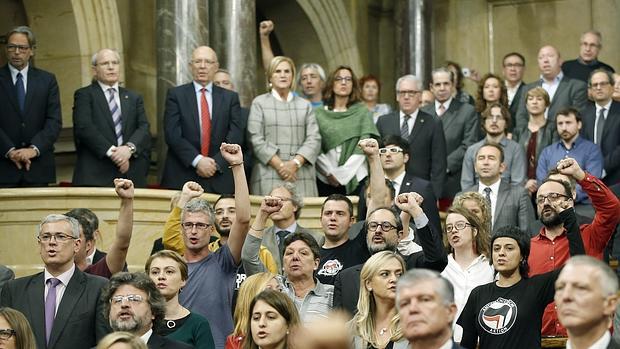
59	237
199	226
410	93
13	47
130	298
552	197
385	226
392	150
458	226
7	333
600	84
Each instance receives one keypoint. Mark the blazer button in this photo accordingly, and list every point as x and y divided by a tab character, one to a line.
23	144
23	124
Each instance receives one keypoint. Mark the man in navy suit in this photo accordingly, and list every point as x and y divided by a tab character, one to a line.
30	119
111	132
199	116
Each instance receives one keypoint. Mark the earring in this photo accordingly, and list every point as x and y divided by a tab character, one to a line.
288	332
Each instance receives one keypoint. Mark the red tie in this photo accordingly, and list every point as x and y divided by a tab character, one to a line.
205	132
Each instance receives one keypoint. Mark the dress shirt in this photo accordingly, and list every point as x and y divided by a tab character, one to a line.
411	120
397	182
552	86
446	105
447	344
587	154
512	91
601	343
605	113
117	100
494	190
145	337
209	94
89	258
291	229
275	95
61	287
317	303
24	72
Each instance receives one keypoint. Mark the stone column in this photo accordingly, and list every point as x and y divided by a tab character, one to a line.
413	29
233	34
182	25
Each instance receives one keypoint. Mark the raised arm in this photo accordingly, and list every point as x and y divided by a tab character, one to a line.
264	29
172	238
115	259
250	257
380	195
239	229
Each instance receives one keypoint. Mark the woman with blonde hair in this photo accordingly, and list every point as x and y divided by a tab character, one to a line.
251	287
377	323
272	317
475	203
15	330
115	340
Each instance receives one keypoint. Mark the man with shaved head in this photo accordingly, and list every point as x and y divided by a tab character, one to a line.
198	117
563	91
110	127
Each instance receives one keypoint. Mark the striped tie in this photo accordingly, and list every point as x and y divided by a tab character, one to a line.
116	117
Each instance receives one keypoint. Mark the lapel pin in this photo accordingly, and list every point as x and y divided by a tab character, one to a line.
407	184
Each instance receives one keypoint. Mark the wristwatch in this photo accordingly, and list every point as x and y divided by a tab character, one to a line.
297	162
132	147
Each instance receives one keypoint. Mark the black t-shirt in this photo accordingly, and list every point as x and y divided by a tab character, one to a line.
507	317
336	259
577	70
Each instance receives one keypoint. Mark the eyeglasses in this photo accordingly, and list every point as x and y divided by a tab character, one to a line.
600	84
203	61
385	226
552	197
199	226
410	93
108	64
458	226
130	298
513	65
7	333
392	150
59	237
13	48
346	79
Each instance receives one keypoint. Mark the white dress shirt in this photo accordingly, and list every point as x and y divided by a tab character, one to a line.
601	343
411	120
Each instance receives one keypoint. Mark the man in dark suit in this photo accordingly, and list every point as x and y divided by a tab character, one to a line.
134	304
563	91
510	204
110	128
586	298
427	143
30	119
601	123
426	308
513	67
460	127
198	118
61	303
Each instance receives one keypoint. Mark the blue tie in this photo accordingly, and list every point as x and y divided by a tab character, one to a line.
21	92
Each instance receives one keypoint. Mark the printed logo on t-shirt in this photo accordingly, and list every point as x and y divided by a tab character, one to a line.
498	317
331	268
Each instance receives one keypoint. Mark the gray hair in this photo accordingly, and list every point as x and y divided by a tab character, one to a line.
32	41
296	198
314	66
438	71
607	277
52	218
199	205
409	77
93	59
444	288
595	33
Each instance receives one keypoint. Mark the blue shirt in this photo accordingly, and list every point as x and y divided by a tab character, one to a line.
587	154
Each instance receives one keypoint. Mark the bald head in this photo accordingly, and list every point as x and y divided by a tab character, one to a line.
203	64
549	62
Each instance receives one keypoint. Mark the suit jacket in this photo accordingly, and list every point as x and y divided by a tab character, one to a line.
98	255
516	102
460	128
614	343
94	134
38	125
570	93
182	132
159	342
79	321
610	145
513	208
427	146
269	241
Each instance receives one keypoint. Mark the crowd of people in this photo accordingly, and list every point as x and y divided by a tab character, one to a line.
529	175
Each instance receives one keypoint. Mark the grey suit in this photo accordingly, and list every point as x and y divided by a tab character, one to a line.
460	127
570	93
513	207
79	321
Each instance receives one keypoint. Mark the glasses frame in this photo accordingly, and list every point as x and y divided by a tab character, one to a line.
58	237
540	199
189	226
129	298
7	333
383	226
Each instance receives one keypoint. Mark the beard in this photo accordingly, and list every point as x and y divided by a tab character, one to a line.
386	245
131	325
550	220
222	231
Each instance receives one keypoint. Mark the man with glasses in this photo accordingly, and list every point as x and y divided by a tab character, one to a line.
601	123
550	248
427	143
134	304
61	303
111	130
198	117
513	68
589	48
30	118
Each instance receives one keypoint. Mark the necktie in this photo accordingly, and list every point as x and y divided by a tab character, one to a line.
50	307
487	195
116	117
600	125
282	234
205	132
404	128
441	109
21	91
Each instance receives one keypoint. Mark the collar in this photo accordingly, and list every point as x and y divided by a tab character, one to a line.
575	143
412	115
14	71
292	228
582	62
543	234
319	289
494	187
606	106
503	142
399	179
513	88
105	87
145	337
555	80
64	277
447	344
601	343
446	104
289	96
198	87
90	257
